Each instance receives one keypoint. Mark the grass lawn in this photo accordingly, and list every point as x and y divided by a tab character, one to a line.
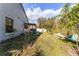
15	45
51	45
45	44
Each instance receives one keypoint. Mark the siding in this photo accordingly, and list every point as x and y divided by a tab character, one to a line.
14	11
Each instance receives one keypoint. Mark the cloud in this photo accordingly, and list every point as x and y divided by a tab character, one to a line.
73	4
50	13
37	12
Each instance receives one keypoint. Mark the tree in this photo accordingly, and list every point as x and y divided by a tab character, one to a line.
70	16
41	22
46	23
74	17
65	13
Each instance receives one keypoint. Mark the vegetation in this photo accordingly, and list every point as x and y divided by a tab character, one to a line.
35	45
16	46
46	23
51	45
68	19
47	44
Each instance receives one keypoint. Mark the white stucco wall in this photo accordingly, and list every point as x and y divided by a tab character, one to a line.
2	28
15	12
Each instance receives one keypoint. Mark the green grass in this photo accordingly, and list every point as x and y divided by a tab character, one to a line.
11	46
45	44
51	45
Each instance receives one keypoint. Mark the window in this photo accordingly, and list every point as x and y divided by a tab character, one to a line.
25	25
9	25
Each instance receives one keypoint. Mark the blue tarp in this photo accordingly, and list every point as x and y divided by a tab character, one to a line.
72	37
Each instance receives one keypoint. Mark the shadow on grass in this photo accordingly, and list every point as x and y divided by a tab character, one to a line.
17	43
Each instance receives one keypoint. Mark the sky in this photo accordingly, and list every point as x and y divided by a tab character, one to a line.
45	10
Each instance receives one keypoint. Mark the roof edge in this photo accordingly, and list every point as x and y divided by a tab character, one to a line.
24	11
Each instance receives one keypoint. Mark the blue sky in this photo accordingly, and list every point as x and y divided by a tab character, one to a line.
43	6
46	10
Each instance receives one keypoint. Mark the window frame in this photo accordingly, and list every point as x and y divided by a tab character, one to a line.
9	25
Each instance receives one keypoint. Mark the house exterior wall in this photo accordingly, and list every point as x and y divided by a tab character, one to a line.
14	11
